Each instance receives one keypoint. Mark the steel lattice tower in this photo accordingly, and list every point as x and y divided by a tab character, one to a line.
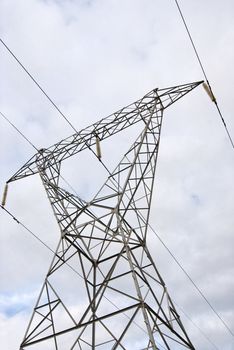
114	297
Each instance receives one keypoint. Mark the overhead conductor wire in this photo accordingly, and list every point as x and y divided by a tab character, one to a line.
196	326
48	98
204	73
8	120
192	281
229	136
38	85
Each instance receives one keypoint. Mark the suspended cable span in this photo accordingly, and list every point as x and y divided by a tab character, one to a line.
195	325
204	73
26	228
193	283
37	84
53	103
9	122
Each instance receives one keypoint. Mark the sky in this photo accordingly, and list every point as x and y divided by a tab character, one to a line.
93	57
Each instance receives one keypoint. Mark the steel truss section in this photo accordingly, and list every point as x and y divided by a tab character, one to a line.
103	290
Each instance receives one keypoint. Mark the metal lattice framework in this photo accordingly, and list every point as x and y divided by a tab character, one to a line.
103	290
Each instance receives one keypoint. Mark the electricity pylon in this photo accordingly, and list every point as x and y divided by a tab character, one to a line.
103	290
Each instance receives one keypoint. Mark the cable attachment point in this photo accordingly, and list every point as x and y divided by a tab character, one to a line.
209	92
4	197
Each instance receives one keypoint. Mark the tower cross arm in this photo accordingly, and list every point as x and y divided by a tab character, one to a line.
104	128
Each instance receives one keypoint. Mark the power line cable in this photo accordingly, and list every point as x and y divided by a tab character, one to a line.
8	120
192	281
26	228
47	96
230	138
204	72
195	325
37	84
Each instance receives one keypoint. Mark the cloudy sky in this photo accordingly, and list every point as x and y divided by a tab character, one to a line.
93	57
